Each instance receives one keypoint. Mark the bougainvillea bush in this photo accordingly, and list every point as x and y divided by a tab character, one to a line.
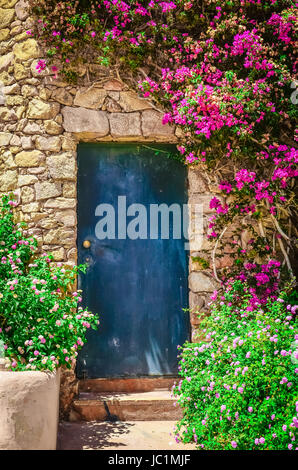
224	69
42	326
224	72
239	385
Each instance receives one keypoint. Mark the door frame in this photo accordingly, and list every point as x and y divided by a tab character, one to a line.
198	296
187	255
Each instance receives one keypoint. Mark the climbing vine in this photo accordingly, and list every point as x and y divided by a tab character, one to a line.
224	72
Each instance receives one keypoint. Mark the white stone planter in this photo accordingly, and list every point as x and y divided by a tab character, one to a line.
29	410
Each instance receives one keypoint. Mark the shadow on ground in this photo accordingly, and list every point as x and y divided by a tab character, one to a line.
119	435
92	435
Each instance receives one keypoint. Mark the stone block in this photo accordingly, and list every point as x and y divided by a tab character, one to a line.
22	10
62	96
196	180
60	203
58	254
8	180
57	236
66	217
32	128
28	158
41	110
25	180
129	101
152	125
113	85
52	128
91	98
69	143
46	190
11	89
15	141
6	78
4	34
21	72
26	50
85	122
14	100
27	194
6	16
28	91
69	190
26	142
61	167
5	138
29	208
125	124
5	61
52	144
200	282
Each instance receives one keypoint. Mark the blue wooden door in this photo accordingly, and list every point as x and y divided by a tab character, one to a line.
138	285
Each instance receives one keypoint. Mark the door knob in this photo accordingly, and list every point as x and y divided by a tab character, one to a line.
86	243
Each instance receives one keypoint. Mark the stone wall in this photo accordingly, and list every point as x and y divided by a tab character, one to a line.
42	119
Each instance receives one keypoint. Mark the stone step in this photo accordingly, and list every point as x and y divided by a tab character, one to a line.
129	385
144	406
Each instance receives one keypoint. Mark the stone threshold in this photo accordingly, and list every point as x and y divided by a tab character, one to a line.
141	406
131	385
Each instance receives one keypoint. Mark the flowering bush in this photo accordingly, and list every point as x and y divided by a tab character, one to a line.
41	324
262	280
239	385
218	66
224	72
250	198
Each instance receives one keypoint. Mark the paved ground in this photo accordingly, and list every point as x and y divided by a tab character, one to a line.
121	435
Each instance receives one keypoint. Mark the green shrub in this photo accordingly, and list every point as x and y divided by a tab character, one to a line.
42	325
239	386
